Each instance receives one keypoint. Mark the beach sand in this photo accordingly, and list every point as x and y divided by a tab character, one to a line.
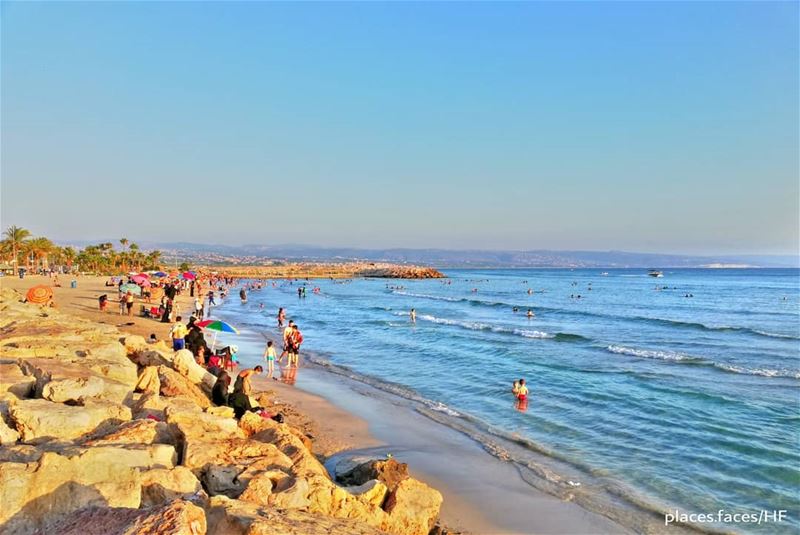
481	494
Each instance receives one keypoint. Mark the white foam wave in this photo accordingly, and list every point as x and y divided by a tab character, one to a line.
775	335
763	372
677	357
441	407
649	354
426	296
476	326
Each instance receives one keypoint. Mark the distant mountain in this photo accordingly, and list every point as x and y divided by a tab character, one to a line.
446	258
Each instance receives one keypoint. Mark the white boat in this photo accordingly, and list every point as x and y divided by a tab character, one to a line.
655	273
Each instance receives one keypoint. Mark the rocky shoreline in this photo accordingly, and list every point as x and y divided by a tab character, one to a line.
104	433
343	270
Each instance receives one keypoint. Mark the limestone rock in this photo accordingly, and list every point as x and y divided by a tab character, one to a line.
176	518
175	384
412	507
13	380
75	390
199	454
236	517
390	472
155	406
39	418
224	412
148	382
183	362
135	432
162	485
34	494
7	434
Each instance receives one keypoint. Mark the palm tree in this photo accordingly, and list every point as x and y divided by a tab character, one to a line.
135	256
40	248
16	236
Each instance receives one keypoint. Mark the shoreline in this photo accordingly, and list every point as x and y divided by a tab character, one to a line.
483	494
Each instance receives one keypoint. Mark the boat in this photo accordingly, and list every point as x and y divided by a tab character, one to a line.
604	274
655	273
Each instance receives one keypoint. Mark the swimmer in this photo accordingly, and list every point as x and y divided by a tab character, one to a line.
522	391
530	313
515	388
413	315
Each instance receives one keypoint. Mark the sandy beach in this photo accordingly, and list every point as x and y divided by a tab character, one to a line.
349	419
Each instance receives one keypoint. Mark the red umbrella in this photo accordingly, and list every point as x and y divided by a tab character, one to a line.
140	279
39	295
189	276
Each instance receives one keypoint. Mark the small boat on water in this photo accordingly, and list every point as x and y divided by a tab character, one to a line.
604	274
655	273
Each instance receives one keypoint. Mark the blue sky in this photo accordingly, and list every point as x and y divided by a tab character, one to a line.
664	127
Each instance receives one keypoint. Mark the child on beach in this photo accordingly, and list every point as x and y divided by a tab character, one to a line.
269	354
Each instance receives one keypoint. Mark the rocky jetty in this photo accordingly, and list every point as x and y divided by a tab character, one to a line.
104	433
400	272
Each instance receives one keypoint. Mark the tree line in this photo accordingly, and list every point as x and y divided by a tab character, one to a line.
20	249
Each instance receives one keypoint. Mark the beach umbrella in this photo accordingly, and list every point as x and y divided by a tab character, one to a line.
159	274
135	289
218	326
39	295
189	276
140	279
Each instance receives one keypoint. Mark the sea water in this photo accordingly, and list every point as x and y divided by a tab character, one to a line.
655	394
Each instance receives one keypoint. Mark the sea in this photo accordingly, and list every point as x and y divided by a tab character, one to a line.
647	395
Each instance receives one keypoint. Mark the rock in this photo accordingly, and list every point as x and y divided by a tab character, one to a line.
412	507
184	364
34	494
71	380
177	518
199	454
148	382
135	432
295	496
372	492
162	485
13	380
193	423
175	384
7	434
73	390
153	405
236	517
390	472
223	412
39	418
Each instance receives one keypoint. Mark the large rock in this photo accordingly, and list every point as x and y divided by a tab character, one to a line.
390	472
135	432
13	380
184	364
163	485
148	382
35	494
233	452
39	418
412	507
155	406
176	518
72	380
235	517
175	384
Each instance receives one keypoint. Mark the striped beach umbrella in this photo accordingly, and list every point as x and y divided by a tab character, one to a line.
39	295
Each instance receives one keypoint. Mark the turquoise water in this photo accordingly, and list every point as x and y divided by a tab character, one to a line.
642	394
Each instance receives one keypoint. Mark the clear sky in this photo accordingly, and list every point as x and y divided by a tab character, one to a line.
650	126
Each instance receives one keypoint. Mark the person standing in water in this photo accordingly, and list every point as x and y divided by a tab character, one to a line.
281	317
413	315
269	355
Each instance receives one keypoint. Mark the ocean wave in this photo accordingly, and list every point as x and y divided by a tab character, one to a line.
585	313
651	354
476	326
689	359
